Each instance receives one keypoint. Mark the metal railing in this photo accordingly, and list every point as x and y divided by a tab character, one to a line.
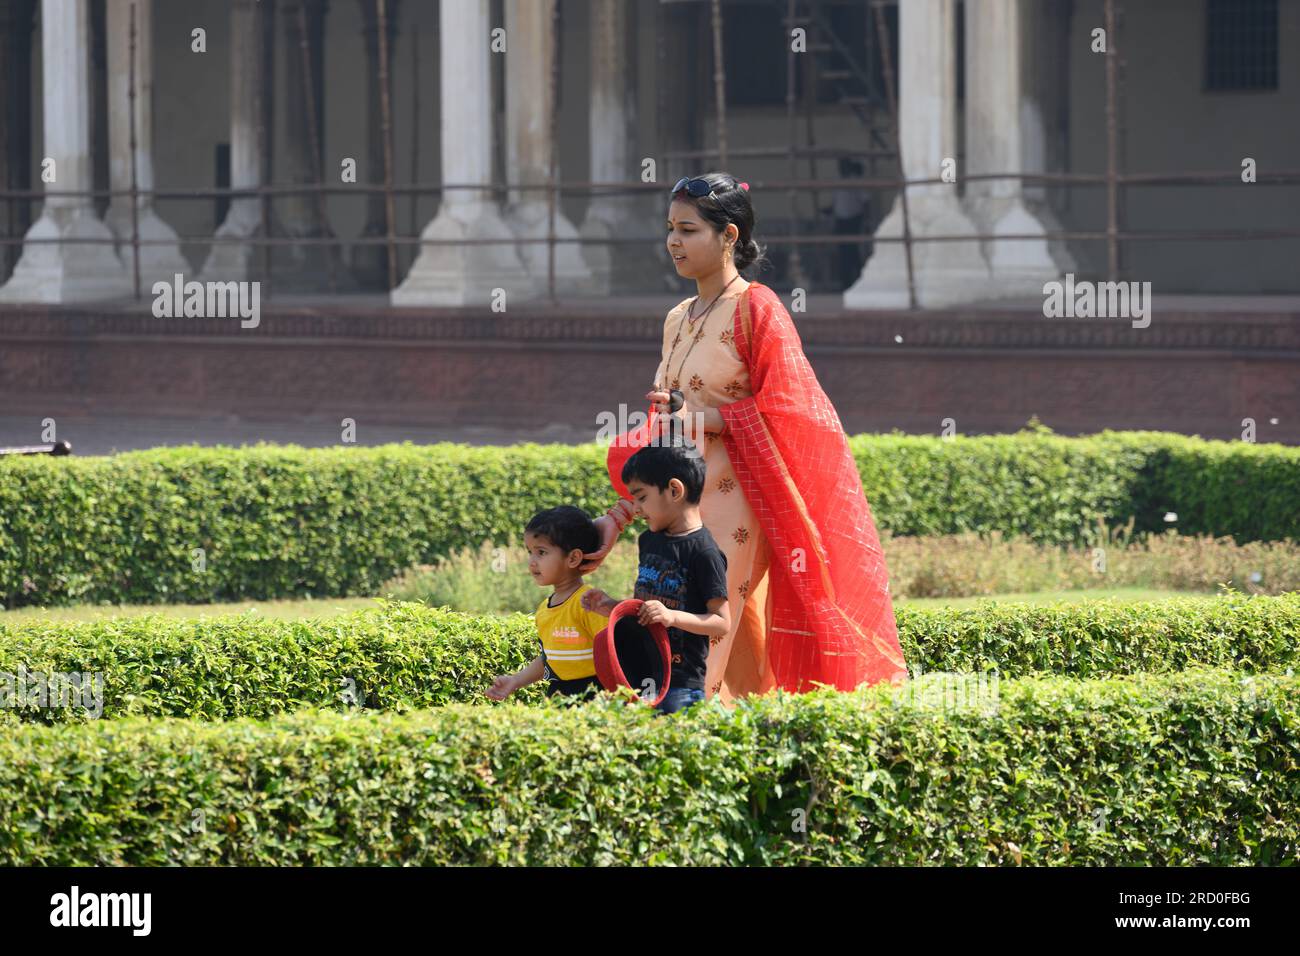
1113	180
52	448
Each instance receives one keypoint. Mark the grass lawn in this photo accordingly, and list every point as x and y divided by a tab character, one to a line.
293	609
329	607
1051	597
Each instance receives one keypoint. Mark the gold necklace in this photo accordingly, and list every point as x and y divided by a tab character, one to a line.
695	336
691	308
694	339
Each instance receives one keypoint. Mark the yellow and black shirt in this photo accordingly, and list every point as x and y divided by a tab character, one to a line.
567	632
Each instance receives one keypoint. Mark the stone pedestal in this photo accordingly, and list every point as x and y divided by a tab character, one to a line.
945	272
67	270
616	267
240	261
529	28
158	262
1003	134
461	274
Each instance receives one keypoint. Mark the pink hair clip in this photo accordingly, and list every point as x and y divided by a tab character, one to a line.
745	186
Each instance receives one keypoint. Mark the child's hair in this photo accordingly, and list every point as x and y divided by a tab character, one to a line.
566	527
657	464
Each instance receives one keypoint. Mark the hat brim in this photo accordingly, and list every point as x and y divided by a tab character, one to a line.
628	654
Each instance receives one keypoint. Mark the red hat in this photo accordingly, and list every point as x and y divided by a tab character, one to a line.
624	652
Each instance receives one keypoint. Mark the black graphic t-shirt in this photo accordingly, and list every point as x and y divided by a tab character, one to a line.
684	573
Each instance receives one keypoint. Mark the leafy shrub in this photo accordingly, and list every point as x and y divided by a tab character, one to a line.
1194	768
194	524
400	656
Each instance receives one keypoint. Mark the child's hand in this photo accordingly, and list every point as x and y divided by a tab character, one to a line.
654	612
598	602
502	687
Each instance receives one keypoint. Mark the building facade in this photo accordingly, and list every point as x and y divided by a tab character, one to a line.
246	92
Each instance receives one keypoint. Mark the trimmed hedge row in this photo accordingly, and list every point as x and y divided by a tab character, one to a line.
1193	768
281	521
1052	489
402	655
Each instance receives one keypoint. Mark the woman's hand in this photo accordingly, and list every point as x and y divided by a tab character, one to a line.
686	416
608	529
695	420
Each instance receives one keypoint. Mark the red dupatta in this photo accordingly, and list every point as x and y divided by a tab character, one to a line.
830	618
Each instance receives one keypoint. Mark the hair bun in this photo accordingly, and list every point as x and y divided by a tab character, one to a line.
747	253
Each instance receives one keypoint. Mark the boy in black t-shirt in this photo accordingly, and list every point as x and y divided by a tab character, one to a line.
683	573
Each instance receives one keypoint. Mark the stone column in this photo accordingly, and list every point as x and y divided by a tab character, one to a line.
370	262
157	262
619	268
307	267
16	25
459	274
67	271
249	127
1004	133
529	54
946	272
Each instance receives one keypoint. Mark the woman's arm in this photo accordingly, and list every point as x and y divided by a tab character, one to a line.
709	418
609	526
713	421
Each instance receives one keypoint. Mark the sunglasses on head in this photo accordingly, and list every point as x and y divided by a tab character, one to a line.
699	188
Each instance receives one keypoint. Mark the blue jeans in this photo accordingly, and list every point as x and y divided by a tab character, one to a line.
679	698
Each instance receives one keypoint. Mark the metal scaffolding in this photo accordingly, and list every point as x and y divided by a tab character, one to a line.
1113	180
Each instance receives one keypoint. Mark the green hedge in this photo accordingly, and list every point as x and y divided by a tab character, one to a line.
400	655
1194	768
1052	488
281	521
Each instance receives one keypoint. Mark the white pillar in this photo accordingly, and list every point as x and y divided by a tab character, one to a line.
459	274
67	271
239	261
612	128
157	262
945	272
1004	134
528	148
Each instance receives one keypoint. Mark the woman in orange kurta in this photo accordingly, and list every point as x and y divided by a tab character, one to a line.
806	576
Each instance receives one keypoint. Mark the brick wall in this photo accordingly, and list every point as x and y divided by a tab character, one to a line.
1192	372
